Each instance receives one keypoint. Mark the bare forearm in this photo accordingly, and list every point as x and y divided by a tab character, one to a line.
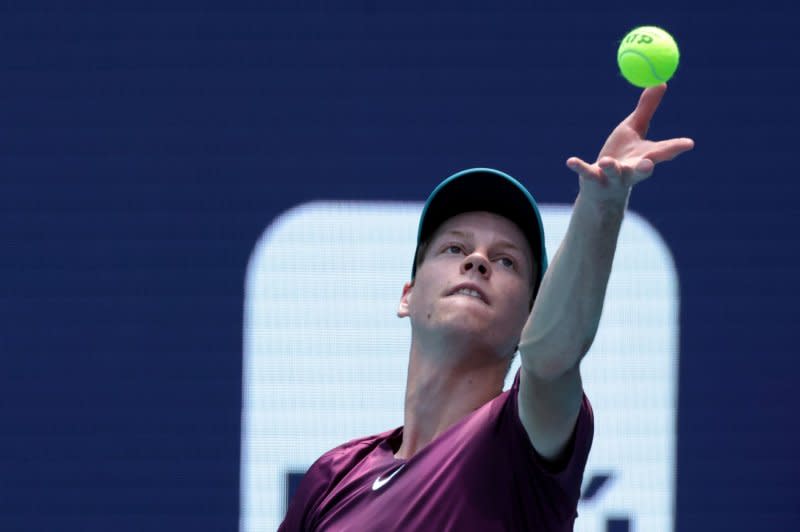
567	310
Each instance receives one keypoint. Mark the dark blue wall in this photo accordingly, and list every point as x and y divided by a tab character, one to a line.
143	149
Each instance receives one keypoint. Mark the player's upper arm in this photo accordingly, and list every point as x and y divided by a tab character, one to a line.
548	409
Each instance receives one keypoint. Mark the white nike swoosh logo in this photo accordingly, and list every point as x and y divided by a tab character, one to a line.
381	482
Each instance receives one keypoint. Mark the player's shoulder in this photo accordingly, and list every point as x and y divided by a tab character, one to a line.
352	451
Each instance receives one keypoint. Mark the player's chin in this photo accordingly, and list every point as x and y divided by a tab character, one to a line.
473	322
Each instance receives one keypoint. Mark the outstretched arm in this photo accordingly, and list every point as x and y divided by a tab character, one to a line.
564	319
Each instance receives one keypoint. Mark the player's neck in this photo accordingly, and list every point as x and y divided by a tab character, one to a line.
441	392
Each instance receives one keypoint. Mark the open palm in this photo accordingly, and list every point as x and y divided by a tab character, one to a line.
627	157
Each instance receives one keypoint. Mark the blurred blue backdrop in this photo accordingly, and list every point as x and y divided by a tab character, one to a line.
145	147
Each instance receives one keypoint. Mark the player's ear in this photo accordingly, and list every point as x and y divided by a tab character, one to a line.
402	309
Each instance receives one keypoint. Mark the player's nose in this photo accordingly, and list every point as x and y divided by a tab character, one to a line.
477	263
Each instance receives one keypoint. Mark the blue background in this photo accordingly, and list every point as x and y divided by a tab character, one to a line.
144	148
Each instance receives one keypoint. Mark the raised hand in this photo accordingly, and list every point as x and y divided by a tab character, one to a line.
627	157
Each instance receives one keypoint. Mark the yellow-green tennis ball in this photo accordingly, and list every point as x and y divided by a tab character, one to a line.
648	56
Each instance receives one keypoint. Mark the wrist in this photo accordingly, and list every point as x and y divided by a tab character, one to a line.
604	207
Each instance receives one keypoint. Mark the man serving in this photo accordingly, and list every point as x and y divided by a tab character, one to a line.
470	456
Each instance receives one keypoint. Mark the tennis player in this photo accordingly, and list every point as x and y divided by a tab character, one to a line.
470	456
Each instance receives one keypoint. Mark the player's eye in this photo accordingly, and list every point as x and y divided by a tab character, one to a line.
507	262
454	249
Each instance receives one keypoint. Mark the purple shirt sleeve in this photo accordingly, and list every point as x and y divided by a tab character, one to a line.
322	478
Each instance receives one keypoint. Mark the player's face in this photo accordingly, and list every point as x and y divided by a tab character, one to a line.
474	284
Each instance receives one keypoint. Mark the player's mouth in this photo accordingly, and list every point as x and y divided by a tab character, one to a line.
469	290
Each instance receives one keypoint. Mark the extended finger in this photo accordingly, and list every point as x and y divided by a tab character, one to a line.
649	101
666	150
582	168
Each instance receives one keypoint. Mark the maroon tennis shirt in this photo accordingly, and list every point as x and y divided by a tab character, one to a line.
482	474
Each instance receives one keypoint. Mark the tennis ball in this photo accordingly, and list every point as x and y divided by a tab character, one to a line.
648	56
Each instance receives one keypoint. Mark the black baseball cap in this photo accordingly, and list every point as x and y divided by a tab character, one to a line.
484	189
